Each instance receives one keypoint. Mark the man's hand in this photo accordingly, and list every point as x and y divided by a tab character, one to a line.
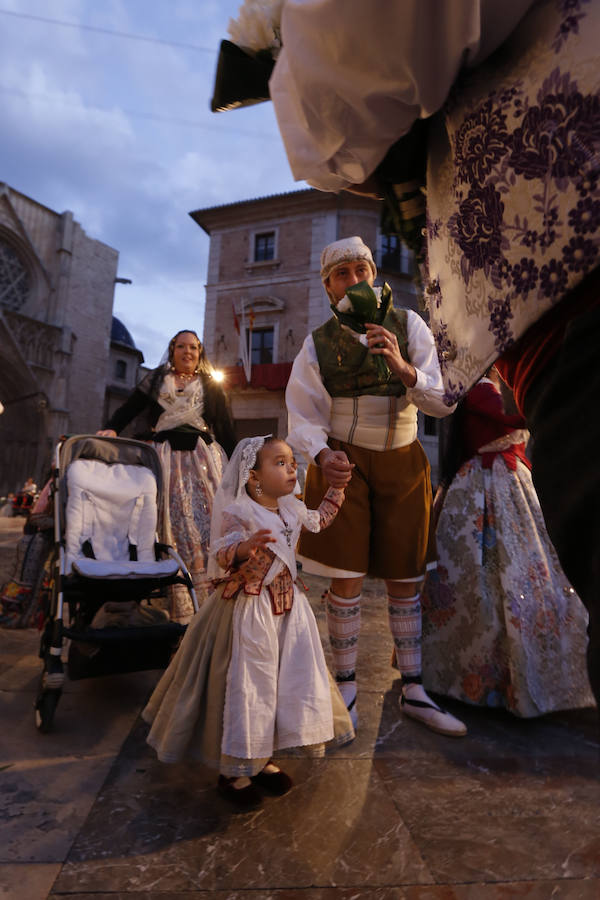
336	467
385	343
107	432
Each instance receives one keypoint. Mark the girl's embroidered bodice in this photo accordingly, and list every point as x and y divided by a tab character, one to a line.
250	575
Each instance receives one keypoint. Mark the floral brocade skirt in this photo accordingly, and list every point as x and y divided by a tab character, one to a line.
191	478
502	626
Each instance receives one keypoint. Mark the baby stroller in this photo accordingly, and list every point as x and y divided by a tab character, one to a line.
106	557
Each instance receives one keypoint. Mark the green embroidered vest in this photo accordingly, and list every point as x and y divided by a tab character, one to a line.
347	367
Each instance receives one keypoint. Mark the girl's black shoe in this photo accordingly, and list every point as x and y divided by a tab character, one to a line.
277	783
245	797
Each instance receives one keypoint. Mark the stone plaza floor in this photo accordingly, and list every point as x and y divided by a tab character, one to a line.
511	810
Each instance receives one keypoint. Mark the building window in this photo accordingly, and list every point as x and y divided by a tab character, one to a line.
253	427
394	255
264	246
262	345
430	426
14	279
121	369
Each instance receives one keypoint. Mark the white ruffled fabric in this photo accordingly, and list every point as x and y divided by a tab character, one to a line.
351	78
180	407
278	662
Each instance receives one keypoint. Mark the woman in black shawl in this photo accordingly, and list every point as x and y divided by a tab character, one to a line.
182	409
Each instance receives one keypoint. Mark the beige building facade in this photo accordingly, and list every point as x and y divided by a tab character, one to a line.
263	271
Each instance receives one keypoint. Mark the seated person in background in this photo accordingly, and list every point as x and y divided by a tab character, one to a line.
187	417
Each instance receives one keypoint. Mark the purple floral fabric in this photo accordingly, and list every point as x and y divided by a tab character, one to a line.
514	205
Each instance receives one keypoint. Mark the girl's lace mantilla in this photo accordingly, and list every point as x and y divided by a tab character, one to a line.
249	454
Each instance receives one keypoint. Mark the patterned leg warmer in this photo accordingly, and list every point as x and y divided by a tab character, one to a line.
405	624
343	622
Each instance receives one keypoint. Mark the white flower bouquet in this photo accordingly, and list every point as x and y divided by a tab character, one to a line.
361	304
258	26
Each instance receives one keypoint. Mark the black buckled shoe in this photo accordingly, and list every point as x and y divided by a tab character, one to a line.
246	797
277	783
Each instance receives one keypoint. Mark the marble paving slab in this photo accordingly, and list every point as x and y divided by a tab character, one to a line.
493	735
547	890
48	782
477	824
169	830
27	882
158	828
511	811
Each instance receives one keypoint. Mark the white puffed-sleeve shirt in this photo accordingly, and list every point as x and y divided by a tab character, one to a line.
353	76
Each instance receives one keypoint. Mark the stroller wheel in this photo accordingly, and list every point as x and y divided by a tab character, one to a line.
45	707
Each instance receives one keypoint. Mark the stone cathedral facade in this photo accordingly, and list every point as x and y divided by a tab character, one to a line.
56	328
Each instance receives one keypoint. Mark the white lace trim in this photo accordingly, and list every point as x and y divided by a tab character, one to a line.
180	408
520	436
228	540
312	520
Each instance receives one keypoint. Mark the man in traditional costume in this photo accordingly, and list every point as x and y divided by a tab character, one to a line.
352	401
509	94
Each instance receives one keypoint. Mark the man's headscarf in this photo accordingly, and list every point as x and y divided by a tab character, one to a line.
346	250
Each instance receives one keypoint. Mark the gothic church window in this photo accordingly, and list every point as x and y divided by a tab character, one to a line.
15	282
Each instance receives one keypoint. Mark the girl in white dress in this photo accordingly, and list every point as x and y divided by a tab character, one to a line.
250	676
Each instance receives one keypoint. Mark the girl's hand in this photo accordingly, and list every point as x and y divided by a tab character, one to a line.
259	540
385	343
107	432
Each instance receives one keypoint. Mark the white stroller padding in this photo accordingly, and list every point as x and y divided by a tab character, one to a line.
96	568
111	507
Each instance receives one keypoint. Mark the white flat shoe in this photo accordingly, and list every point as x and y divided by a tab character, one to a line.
348	691
422	708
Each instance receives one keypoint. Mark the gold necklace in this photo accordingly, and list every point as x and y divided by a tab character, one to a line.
185	376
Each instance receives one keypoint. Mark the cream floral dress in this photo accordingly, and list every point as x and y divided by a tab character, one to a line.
502	626
191	478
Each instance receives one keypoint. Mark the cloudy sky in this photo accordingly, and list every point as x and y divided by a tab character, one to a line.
110	119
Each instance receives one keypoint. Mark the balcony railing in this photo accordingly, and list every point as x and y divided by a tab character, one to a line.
272	376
